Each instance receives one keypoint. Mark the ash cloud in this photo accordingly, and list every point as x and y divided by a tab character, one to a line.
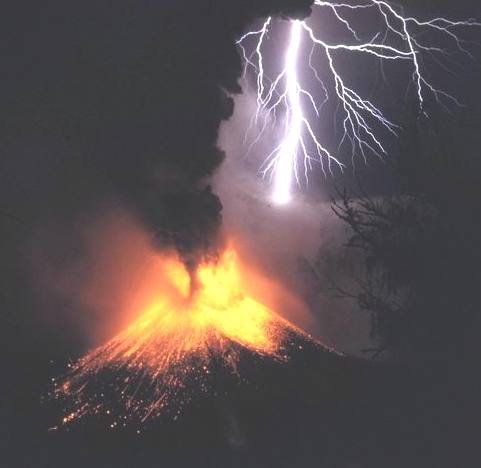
113	104
125	100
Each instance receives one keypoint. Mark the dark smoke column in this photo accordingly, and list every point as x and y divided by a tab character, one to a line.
182	209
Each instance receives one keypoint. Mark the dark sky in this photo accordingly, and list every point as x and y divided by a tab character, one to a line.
113	103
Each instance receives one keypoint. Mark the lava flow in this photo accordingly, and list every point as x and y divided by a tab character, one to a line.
194	329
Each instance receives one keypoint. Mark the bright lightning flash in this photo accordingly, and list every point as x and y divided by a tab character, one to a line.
401	38
288	150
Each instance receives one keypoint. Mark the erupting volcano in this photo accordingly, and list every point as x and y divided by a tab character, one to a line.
199	326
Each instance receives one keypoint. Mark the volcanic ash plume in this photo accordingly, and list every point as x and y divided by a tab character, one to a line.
177	343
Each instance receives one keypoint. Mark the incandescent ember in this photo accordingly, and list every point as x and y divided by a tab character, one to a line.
170	351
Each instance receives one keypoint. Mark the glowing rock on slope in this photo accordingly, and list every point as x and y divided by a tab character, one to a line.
164	356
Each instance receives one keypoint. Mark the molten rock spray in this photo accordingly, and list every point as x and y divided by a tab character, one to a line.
168	353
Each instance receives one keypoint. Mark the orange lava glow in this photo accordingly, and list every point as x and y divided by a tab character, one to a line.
196	322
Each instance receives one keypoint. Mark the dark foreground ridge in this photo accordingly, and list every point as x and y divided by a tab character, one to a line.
317	409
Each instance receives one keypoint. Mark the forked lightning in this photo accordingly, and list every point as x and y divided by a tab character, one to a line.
400	38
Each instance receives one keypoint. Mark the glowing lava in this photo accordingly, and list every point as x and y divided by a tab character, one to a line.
168	352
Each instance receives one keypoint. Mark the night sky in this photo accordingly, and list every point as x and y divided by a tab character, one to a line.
111	108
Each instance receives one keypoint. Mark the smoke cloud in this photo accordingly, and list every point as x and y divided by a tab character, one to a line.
113	113
294	243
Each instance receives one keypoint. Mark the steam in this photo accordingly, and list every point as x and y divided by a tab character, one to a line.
293	243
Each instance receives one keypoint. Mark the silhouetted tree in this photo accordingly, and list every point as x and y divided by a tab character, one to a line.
420	247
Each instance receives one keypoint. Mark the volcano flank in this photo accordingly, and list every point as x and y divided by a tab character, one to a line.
199	328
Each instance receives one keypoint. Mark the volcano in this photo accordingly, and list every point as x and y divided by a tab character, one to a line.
194	337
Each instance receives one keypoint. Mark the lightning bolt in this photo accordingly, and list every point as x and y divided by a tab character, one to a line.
400	38
287	152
